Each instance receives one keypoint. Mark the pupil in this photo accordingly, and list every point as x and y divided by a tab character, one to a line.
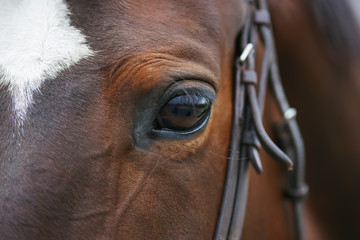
175	111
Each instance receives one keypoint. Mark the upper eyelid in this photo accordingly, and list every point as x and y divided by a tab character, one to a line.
196	87
205	94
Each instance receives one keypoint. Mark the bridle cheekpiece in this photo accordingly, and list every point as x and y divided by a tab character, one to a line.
248	133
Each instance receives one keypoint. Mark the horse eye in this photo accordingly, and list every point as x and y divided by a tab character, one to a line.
184	112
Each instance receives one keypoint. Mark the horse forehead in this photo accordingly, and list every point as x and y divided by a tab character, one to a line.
205	14
37	41
135	22
211	16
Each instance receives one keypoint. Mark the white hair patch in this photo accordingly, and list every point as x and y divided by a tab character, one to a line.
37	41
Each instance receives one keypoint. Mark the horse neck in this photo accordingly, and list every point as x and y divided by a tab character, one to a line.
323	87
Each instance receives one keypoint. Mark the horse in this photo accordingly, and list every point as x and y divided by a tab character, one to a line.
116	118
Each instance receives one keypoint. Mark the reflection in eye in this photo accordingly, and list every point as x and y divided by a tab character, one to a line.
184	112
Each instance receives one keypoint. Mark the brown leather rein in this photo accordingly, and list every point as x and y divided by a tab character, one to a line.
248	133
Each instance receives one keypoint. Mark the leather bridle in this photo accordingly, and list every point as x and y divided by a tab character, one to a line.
248	133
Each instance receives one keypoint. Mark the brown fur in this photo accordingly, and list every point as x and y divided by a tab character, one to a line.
77	170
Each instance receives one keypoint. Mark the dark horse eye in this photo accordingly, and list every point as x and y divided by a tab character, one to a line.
184	112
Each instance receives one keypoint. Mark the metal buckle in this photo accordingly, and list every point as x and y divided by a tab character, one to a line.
289	114
246	52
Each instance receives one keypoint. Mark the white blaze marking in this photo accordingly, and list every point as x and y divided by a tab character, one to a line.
36	43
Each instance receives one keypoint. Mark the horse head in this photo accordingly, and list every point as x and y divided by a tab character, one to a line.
90	144
121	119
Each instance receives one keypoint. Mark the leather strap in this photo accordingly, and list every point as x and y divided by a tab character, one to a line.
248	131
